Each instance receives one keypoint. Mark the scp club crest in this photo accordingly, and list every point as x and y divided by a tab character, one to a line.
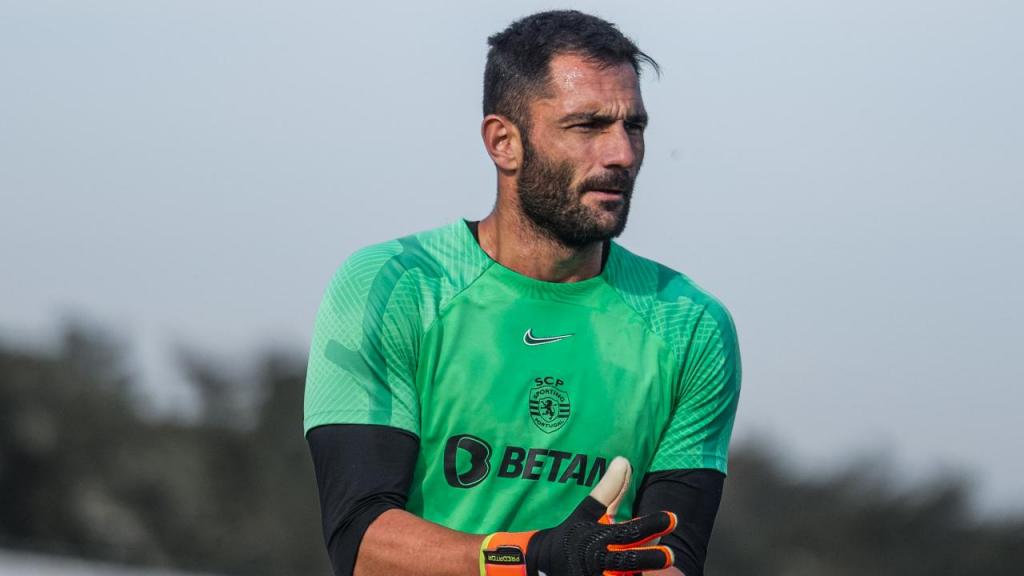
549	404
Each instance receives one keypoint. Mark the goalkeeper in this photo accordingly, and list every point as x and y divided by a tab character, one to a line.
470	387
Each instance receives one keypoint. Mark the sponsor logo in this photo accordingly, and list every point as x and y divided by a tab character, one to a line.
519	463
479	453
543	464
549	404
530	340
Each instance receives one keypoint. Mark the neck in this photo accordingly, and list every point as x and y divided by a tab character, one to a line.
513	241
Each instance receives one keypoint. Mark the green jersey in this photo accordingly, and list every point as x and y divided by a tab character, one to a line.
521	391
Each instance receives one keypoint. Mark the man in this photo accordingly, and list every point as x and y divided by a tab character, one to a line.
470	387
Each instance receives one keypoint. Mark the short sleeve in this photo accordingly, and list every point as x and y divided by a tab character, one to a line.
362	360
701	424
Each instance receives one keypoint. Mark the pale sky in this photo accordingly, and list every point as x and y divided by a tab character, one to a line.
847	177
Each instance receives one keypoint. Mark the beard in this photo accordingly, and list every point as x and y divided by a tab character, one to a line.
554	206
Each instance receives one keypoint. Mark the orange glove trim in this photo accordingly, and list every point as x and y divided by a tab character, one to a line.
504	554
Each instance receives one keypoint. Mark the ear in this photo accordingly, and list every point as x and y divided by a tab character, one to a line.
501	138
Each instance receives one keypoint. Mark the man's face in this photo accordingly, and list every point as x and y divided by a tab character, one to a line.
585	147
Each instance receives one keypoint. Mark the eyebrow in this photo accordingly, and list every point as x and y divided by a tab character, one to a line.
581	117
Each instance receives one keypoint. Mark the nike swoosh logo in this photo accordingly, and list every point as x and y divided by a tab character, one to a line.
530	340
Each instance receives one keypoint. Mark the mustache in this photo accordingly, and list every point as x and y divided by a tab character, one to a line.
620	180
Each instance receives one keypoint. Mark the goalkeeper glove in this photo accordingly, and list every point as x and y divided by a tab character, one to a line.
586	543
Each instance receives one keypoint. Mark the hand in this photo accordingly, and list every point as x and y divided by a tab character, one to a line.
586	543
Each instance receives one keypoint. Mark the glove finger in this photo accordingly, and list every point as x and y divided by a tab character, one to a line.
641	530
638	560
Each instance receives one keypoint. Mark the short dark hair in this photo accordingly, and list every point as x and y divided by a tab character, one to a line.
519	58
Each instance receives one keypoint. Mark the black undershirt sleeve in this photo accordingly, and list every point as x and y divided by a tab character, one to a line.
362	470
694	496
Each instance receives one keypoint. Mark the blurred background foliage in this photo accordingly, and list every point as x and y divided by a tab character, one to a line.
87	471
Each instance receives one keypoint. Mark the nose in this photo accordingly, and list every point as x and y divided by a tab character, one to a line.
620	149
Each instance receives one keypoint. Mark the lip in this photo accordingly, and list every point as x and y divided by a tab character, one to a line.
608	194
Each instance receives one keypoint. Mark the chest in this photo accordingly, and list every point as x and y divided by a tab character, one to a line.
545	384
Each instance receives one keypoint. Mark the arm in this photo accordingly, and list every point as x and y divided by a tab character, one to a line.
361	421
690	464
401	543
363	475
694	496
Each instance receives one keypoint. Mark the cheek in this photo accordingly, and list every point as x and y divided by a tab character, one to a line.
576	150
586	158
638	147
577	160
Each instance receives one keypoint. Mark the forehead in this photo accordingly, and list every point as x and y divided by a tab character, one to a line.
578	84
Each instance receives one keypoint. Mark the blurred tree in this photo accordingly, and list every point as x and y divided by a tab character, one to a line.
83	472
856	522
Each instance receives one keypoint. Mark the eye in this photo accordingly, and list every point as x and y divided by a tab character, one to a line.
585	126
636	127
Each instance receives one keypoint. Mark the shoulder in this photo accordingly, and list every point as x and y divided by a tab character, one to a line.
431	265
671	303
